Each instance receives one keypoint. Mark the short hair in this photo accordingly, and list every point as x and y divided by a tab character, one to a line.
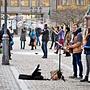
75	24
57	27
45	25
61	27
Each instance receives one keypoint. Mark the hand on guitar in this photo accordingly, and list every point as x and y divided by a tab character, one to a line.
70	48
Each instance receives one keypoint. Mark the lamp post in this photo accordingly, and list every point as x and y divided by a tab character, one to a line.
5	57
31	11
16	23
0	13
40	9
56	11
35	11
41	17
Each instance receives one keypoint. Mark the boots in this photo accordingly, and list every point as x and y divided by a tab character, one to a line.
85	79
56	51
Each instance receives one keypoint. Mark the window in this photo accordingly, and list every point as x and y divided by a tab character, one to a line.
38	2
14	3
1	3
59	2
80	2
65	2
45	3
33	3
25	3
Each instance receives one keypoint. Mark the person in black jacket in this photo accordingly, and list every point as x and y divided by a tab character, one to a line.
10	39
45	38
52	38
87	52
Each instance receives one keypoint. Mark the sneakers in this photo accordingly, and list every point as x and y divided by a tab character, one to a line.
56	52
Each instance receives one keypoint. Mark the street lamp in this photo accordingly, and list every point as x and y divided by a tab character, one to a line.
5	57
40	9
0	13
35	11
31	11
16	23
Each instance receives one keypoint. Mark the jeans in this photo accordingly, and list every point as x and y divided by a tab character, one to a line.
22	44
77	61
38	41
87	64
52	44
44	48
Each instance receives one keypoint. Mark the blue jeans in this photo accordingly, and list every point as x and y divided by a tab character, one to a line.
22	44
44	48
87	64
38	41
77	61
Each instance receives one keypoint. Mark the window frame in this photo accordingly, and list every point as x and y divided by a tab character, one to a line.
26	5
14	5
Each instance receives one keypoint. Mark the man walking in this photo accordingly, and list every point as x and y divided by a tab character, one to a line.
45	38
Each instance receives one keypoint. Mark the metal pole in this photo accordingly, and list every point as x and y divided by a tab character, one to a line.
5	57
16	23
0	14
59	59
56	11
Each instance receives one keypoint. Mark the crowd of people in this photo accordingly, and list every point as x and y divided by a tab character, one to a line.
72	40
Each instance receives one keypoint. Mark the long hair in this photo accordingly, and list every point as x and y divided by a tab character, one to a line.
88	35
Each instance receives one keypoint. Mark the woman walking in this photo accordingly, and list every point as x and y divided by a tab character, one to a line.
23	38
33	39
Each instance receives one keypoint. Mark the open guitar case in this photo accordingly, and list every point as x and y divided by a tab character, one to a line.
36	75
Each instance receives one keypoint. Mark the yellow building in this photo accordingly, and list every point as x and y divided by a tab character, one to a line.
39	9
69	10
25	9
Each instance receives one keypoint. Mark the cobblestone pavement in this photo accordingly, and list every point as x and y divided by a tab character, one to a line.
25	61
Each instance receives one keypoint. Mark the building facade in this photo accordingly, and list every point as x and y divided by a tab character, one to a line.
26	7
69	10
31	9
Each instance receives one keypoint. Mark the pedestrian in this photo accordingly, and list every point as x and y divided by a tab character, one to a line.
29	36
77	51
11	31
45	39
67	39
23	38
8	33
87	52
33	39
11	35
38	30
52	37
0	36
60	37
